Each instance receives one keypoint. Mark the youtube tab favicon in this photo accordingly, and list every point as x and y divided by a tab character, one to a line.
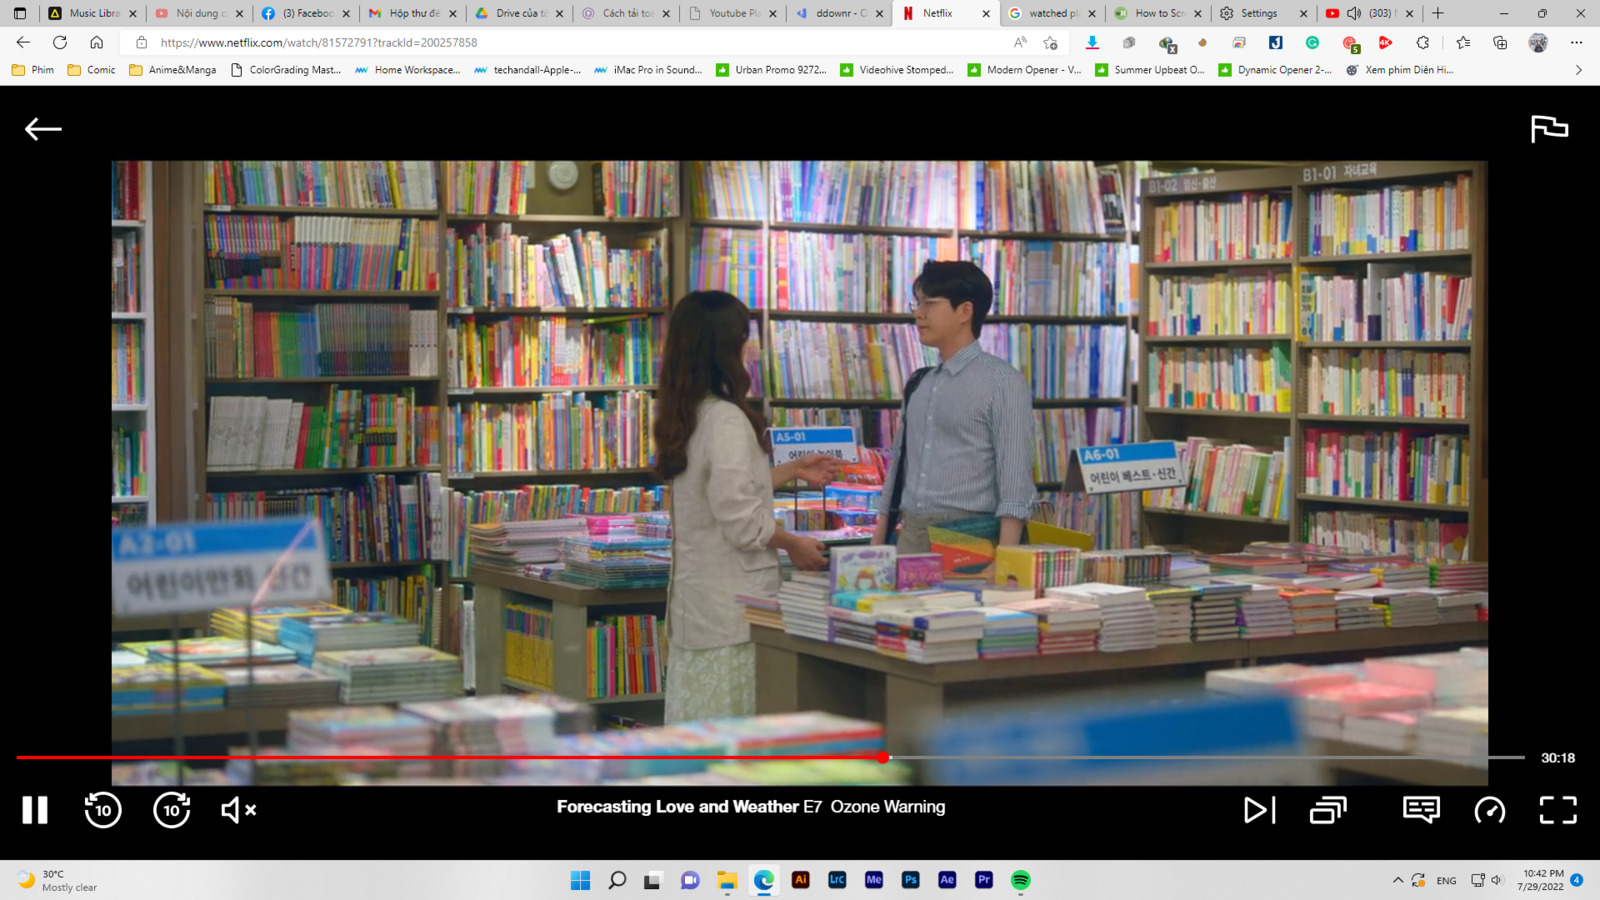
1331	13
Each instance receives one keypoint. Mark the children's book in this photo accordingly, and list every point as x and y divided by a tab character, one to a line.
870	568
967	545
918	571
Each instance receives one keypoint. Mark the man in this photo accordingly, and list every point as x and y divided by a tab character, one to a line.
966	441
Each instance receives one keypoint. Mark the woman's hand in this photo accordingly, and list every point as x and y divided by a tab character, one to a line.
806	553
818	468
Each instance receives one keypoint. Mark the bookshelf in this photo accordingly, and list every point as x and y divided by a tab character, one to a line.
134	430
1372	356
465	226
753	235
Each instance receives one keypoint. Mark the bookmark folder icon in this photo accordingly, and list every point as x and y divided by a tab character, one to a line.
74	69
18	69
135	69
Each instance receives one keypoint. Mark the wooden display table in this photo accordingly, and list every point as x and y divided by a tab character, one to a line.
1376	762
570	609
795	673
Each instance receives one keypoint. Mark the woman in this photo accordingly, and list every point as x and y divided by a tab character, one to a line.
712	448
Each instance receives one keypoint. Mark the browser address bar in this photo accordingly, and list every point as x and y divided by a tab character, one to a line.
289	42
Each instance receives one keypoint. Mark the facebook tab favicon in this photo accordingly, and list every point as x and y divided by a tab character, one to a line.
1275	42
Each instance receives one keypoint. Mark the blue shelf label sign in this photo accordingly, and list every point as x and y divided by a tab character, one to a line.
789	444
1130	467
205	565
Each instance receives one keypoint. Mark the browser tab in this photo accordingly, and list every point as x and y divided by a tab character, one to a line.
540	15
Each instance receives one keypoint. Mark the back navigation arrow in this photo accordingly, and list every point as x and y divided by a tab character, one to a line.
35	126
1254	810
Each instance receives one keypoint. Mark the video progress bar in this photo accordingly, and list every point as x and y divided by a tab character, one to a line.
1236	758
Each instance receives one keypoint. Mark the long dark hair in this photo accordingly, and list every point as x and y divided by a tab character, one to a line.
703	355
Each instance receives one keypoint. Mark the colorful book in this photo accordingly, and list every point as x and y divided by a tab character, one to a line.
870	568
918	571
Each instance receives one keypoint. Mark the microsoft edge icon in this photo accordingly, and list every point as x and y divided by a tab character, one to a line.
267	13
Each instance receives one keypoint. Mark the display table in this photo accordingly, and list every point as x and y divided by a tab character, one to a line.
570	608
1376	762
795	673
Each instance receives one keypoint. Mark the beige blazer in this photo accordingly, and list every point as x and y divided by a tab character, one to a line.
722	519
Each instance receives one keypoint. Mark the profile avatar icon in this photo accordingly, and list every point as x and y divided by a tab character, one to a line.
1538	42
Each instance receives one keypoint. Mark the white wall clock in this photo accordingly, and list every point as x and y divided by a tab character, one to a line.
563	175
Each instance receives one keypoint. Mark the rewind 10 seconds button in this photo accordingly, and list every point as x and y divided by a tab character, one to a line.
1490	809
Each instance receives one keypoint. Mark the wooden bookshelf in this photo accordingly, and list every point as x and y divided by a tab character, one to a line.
1300	183
140	413
766	226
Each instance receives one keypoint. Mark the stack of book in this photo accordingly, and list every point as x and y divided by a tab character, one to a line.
212	652
1314	609
656	525
1460	732
1216	609
1408	608
1452	679
392	674
142	690
763	611
1037	567
1391	573
803	602
1394	731
1127	618
1463	576
1065	626
292	686
931	634
1326	709
1456	605
793	734
1008	633
808	772
1358	609
1264	613
1174	605
309	635
317	772
264	620
359	731
512	547
1284	678
1135	566
497	725
614	564
571	716
1254	564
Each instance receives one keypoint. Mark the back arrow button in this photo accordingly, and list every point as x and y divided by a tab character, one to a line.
21	41
35	126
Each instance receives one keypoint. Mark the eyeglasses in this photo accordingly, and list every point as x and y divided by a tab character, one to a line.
917	303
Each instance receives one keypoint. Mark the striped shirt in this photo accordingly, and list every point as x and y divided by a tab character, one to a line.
968	438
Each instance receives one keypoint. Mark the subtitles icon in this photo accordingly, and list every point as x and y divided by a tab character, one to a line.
1424	808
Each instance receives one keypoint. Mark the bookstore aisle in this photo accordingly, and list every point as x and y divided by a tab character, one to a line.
448	368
